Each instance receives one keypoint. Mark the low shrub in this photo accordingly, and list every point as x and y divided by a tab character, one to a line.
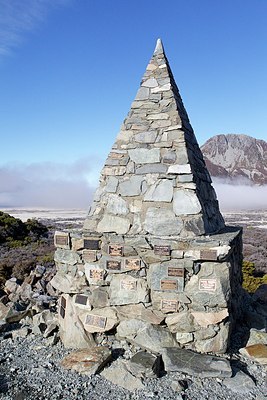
250	281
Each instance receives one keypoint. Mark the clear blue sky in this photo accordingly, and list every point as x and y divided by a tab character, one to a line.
69	70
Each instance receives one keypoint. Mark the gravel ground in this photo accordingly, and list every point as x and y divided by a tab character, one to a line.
30	369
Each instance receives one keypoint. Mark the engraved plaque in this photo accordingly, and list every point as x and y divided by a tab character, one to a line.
162	250
91	244
81	299
128	285
208	255
169	305
89	255
96	320
63	302
62	312
133	263
207	285
115	250
168	284
96	274
61	240
175	271
113	265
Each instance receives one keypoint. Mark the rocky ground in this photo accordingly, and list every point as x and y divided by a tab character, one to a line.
31	355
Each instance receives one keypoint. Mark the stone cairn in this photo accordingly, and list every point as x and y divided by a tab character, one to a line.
154	263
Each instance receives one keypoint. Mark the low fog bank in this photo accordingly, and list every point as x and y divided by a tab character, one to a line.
46	185
239	196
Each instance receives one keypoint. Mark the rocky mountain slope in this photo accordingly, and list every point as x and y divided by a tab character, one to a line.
235	157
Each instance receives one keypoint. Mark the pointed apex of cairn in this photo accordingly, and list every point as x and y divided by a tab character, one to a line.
159	49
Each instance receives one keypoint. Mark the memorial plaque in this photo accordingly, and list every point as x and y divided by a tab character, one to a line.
81	299
115	250
96	274
89	255
175	271
63	302
169	305
162	250
96	320
128	285
62	312
91	244
61	240
208	255
207	285
133	263
168	284
113	265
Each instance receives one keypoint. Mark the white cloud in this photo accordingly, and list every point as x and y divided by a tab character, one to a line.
20	16
46	184
240	196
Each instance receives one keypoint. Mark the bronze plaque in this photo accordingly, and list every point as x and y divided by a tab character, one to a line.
168	284
133	263
128	285
169	305
162	250
113	265
175	271
96	320
96	274
115	250
62	312
208	255
81	299
61	240
207	285
89	255
91	244
63	302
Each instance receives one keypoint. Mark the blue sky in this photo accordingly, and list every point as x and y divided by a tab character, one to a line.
69	70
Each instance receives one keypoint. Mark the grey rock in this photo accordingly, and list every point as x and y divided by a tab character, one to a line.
125	289
87	361
160	191
185	202
116	205
144	365
144	156
66	256
131	186
179	169
195	364
113	223
142	94
117	373
147	336
162	221
240	383
112	184
146	137
152	169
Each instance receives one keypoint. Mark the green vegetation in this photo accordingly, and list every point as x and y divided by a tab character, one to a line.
23	245
16	233
250	281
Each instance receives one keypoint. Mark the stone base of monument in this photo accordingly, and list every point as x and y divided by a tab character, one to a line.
155	292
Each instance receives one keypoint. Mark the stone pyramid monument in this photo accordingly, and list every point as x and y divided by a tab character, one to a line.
155	180
154	262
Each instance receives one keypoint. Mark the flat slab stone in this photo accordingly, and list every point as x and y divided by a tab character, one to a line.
185	202
144	365
144	156
131	186
113	223
118	375
161	221
195	364
160	191
256	352
87	361
239	383
149	337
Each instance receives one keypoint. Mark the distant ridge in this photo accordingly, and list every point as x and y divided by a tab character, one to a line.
237	157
